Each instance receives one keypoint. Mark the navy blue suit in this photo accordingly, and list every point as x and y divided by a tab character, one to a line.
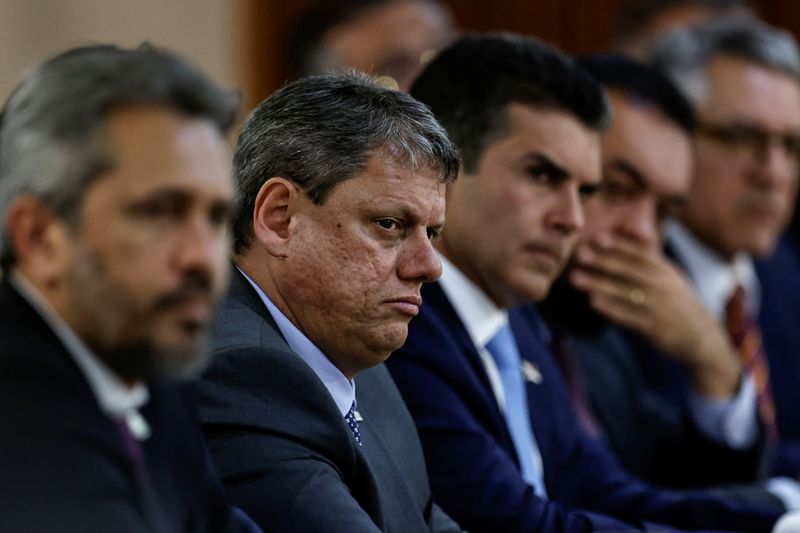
65	468
471	460
779	318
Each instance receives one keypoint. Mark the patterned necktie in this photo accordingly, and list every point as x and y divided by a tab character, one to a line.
505	353
350	418
746	338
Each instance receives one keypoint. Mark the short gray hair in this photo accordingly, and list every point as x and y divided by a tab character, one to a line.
321	130
52	128
683	54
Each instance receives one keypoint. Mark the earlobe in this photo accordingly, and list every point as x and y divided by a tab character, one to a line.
36	236
274	208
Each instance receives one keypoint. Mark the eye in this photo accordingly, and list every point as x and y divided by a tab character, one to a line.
542	174
432	234
220	214
587	191
388	223
616	192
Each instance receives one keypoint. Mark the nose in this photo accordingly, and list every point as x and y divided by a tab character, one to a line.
419	260
566	213
641	220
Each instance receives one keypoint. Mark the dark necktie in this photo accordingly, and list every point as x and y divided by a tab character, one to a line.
746	338
135	452
576	385
350	418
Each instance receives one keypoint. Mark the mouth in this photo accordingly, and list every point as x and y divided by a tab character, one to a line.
408	305
549	256
193	313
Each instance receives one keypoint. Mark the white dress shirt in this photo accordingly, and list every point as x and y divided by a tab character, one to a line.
733	422
482	320
341	389
117	399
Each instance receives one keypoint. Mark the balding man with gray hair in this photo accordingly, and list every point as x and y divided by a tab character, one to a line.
743	78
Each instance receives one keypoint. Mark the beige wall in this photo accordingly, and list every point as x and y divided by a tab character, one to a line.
206	31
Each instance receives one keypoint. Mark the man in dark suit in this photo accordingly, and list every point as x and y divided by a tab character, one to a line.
646	174
504	448
744	80
114	191
341	187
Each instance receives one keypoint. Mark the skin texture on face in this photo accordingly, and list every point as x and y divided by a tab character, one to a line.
646	173
348	272
138	277
619	263
393	39
740	201
513	222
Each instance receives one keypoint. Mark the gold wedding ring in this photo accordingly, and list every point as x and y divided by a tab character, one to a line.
637	296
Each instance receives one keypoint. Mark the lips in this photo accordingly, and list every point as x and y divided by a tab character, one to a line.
406	304
545	252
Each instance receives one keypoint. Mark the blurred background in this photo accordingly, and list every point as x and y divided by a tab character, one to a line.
245	43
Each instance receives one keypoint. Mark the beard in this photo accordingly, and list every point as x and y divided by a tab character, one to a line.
123	333
568	310
143	361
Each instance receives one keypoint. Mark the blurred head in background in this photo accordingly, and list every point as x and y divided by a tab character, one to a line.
391	38
743	78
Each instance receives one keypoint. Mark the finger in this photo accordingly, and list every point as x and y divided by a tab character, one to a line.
597	283
621	311
615	265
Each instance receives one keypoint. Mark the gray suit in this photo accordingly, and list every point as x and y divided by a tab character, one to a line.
282	447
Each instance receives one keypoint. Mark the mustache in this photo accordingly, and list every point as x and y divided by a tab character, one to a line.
196	284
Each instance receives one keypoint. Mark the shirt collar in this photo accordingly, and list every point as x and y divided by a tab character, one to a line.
479	314
340	388
116	398
713	277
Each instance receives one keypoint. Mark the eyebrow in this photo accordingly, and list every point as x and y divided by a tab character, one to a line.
551	166
632	172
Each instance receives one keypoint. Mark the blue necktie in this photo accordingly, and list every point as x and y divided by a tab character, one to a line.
350	418
503	349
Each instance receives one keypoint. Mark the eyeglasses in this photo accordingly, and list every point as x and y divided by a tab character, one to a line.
757	140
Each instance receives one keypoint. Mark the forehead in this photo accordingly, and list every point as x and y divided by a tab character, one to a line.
742	89
559	136
642	138
154	147
385	180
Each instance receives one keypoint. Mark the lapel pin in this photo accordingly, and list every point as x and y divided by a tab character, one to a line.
530	372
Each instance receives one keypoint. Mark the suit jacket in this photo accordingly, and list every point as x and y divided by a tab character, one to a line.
474	469
282	447
655	439
779	319
64	463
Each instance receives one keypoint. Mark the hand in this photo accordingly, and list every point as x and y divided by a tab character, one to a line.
632	283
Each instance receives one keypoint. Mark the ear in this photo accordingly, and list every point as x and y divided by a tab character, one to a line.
276	204
40	240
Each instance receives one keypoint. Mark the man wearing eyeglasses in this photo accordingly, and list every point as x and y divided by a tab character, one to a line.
743	78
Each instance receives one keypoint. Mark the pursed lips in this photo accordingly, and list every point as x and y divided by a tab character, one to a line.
406	304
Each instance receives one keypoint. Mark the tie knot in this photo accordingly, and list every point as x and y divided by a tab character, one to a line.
504	350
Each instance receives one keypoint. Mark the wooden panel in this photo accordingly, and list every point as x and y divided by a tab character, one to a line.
576	26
